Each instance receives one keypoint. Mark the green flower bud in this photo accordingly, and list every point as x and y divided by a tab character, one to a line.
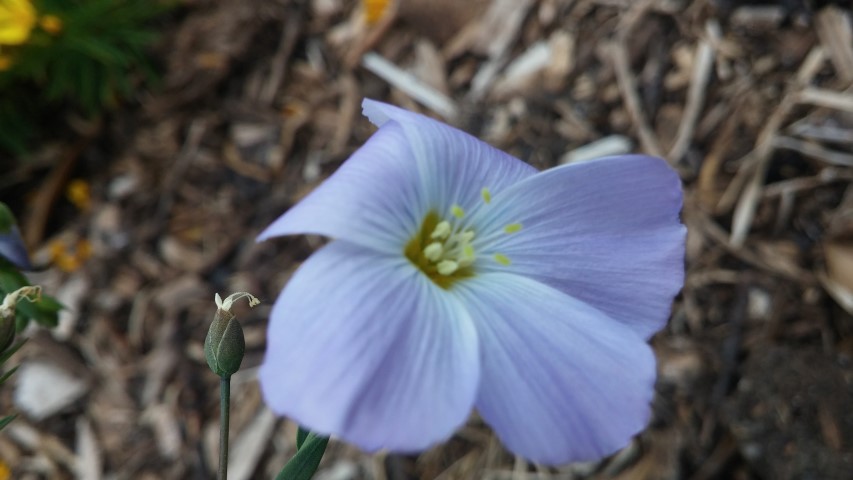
225	344
7	332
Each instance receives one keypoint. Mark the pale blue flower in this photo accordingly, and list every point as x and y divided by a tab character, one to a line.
459	277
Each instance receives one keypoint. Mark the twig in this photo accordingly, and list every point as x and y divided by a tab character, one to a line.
695	99
410	85
628	87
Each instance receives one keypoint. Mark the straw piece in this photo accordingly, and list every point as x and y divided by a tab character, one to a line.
410	85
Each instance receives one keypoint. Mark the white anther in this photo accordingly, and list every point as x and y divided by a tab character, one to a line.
433	251
442	230
447	267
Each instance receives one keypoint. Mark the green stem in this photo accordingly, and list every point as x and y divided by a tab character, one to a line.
224	415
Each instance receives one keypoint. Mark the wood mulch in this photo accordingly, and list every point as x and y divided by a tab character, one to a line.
142	216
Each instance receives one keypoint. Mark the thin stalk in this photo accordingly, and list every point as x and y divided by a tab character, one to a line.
224	418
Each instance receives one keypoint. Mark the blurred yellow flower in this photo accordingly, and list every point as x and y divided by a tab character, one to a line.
79	193
51	24
5	472
67	256
17	18
375	9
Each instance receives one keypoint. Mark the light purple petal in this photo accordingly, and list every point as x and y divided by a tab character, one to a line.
413	164
606	232
560	381
453	166
365	347
373	199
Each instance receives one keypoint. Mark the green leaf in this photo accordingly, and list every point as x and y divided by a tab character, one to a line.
10	278
301	435
304	464
7	375
5	421
45	312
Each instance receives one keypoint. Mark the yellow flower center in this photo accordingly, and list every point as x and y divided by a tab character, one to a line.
443	249
443	252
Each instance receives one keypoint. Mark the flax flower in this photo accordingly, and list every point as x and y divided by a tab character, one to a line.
459	277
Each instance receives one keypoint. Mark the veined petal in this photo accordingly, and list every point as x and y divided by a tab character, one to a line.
373	199
560	381
365	347
453	166
605	232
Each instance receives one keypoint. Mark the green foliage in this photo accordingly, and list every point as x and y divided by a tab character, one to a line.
19	303
92	58
7	219
45	312
6	420
309	452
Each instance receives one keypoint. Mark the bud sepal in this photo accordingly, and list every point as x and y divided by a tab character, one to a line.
225	343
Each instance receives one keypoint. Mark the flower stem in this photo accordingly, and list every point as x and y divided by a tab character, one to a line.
224	416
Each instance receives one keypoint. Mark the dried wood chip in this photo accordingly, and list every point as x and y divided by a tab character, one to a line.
814	150
827	98
166	426
90	463
610	145
248	447
491	34
410	85
628	87
44	389
71	294
758	17
838	255
835	30
695	100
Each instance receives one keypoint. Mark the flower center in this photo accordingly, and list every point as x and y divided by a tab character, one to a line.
442	249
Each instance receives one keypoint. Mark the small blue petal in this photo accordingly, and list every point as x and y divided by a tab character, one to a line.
12	249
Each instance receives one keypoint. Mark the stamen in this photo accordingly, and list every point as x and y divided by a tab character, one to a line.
447	267
457	211
230	299
512	228
433	251
442	230
487	195
502	259
468	251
